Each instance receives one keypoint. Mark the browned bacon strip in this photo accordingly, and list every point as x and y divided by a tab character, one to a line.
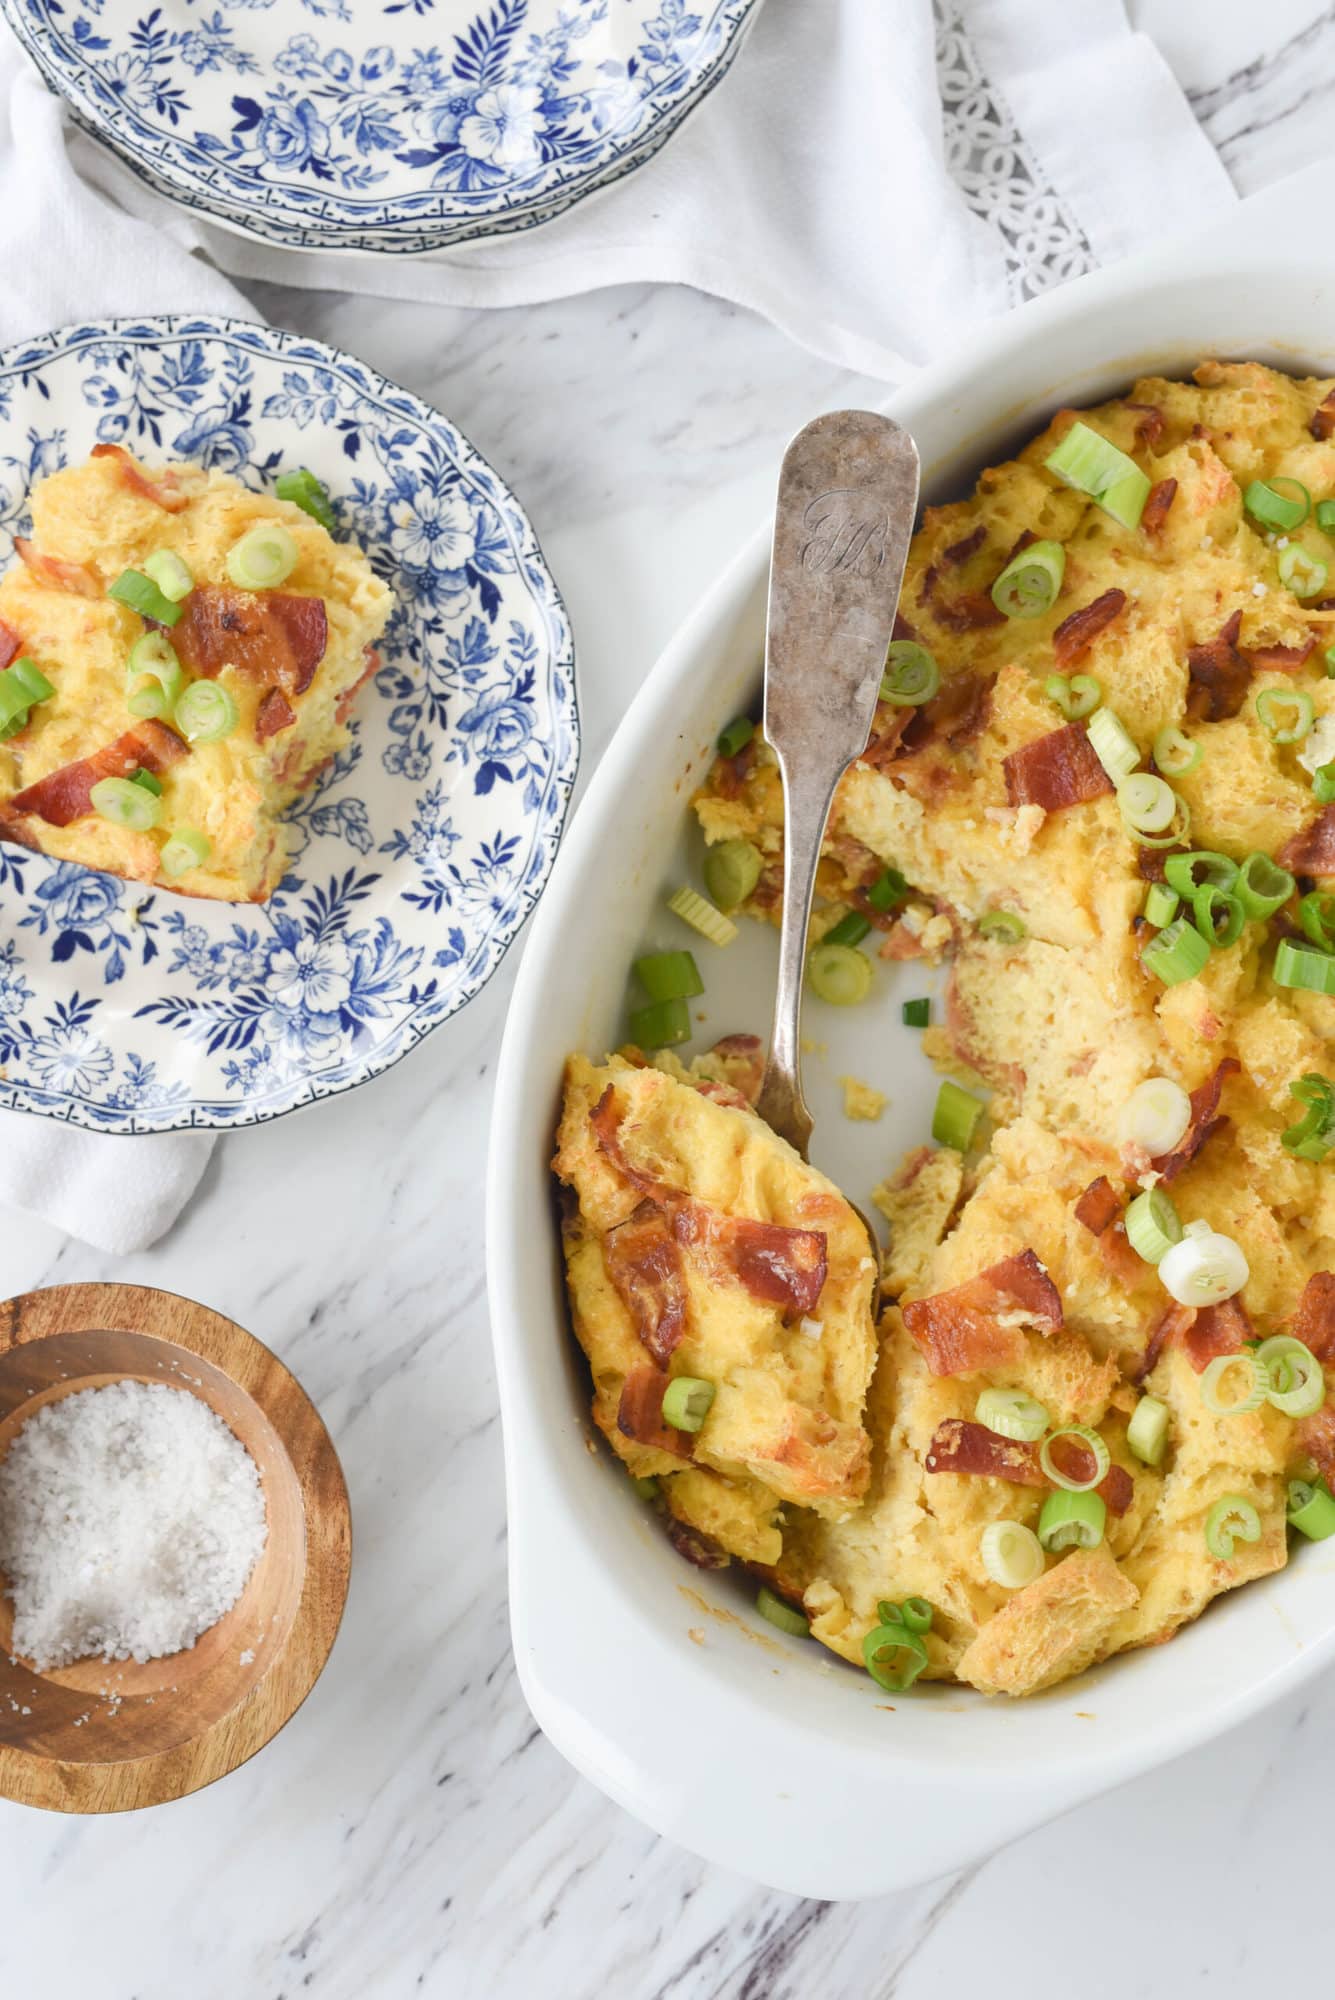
970	613
640	1413
65	795
1150	423
1167	1331
887	735
695	1548
1099	1206
1314	1321
1056	770
60	575
1076	634
1157	502
164	491
959	552
749	1052
1311	852
274	713
268	635
1118	1489
645	1267
1314	1437
605	1118
1279	659
962	1446
1204	1121
1219	675
1216	1330
1323	417
10	645
969	1327
777	1265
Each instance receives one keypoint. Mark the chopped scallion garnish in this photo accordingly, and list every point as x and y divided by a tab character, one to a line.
1295	1382
1316	914
1147	804
206	713
888	891
1299	967
894	1656
1012	1414
1153	1225
917	1614
123	803
1311	1509
141	594
1175	953
1011	1554
1325	516
1161	904
731	872
1231	1520
780	1614
1093	465
153	676
149	781
1147	1432
1281	503
171	575
851	928
1304	575
31	679
1218	916
687	1401
702	916
1002	927
1031	580
1189	872
955	1117
1314	1134
186	849
304	490
838	974
911	675
662	1025
1072	1520
1245	1373
1111	742
1099	1458
1262	886
1323	784
1205	1268
263	557
1176	754
669	975
916	1013
736	736
1285	713
1077	697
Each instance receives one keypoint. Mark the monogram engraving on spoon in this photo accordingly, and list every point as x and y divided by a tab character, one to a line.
846	533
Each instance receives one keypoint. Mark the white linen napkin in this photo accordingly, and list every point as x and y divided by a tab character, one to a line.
71	255
873	176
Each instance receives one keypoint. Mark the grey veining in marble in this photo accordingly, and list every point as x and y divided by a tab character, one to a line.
410	1832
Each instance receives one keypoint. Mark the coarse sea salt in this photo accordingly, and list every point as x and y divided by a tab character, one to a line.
130	1520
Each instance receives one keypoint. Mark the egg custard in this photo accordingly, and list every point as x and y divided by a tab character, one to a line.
179	659
1101	785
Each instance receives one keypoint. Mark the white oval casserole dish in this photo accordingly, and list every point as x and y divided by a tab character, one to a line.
658	1682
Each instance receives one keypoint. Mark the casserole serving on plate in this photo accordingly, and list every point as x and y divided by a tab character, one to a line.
794	1757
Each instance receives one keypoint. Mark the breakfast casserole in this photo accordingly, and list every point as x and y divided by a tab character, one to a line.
1100	788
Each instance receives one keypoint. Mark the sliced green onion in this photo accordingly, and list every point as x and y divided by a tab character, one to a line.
669	975
1231	1520
1329	657
1147	1432
1111	743
1012	1554
171	575
1002	926
1285	713
702	916
1281	503
850	929
1295	1382
1262	886
1155	1116
838	974
955	1117
185	850
731	872
1325	516
1161	904
916	1013
1323	784
123	803
304	490
736	736
1153	1225
1072	1520
14	725
1088	1440
140	592
1176	754
686	1402
262	558
14	699
1077	697
1311	1510
154	679
646	1488
1205	1268
1092	465
31	679
1314	1135
206	713
1012	1414
894	1657
1178	832
1189	872
662	1025
783	1615
917	1614
1249	1391
1316	914
1030	582
149	781
888	891
1298	966
889	1614
1219	917
1147	804
1176	953
1304	575
911	675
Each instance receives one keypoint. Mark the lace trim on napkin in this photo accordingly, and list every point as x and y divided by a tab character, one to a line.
997	173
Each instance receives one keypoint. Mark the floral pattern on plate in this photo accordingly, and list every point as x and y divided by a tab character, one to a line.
397	126
420	850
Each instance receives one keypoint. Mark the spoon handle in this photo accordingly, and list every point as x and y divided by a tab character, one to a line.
848	495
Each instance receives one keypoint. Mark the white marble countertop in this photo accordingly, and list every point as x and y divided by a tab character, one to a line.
411	1832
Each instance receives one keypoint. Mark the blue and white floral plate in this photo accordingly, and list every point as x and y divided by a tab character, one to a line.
420	850
395	126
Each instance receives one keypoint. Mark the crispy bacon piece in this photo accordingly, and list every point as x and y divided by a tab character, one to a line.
1150	862
640	1413
1024	540
65	795
696	1548
971	1326
969	613
777	1265
1076	634
1314	1321
887	735
10	645
956	714
1118	1489
1099	1206
1150	423
274	713
1311	852
1219	675
605	1119
731	773
59	574
164	491
961	1446
901	944
1216	1330
268	635
644	1264
1204	1121
1314	1438
1056	770
959	552
1280	659
1167	1331
750	1051
1323	417
349	695
1157	502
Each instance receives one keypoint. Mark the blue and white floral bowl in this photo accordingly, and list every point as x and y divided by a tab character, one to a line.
420	851
397	126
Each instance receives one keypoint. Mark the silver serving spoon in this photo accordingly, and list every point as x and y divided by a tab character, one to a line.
848	497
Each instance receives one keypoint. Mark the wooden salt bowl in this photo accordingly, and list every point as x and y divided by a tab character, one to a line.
106	1735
